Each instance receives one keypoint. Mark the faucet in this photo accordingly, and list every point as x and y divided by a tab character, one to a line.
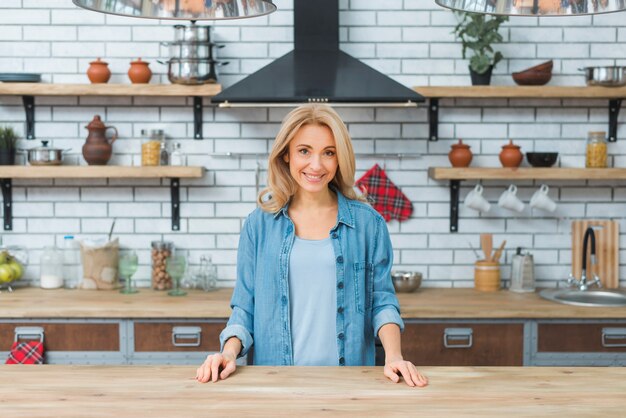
583	284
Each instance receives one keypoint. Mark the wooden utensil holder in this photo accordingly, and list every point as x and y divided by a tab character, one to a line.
487	276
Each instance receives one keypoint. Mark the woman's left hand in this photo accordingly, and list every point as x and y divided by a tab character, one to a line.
408	371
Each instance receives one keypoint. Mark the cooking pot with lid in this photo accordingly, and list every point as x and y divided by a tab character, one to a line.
608	76
45	155
191	50
192	71
193	33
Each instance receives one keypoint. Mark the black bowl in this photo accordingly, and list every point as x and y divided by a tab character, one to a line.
542	159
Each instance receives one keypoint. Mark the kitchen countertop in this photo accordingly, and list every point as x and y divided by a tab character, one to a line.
156	391
426	303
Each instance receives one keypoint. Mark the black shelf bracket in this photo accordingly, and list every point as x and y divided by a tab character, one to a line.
175	193
455	187
7	196
614	107
197	117
433	120
29	107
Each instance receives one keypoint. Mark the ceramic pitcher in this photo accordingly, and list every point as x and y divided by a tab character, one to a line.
98	148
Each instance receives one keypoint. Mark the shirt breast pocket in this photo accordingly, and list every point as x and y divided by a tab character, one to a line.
364	286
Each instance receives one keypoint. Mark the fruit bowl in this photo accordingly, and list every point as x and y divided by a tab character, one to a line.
542	159
13	261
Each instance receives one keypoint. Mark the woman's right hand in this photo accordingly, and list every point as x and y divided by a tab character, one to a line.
210	369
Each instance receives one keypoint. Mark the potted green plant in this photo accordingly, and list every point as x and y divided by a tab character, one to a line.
8	141
477	33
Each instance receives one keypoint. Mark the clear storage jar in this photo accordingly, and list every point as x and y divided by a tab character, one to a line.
160	251
151	147
596	155
51	268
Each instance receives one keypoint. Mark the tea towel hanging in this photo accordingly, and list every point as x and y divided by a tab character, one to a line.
29	352
385	196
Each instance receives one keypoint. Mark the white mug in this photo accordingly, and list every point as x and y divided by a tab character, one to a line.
509	199
475	200
541	200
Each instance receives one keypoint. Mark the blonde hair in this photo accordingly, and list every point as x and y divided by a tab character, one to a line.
280	184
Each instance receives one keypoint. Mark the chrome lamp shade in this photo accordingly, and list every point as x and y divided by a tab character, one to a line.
181	9
535	7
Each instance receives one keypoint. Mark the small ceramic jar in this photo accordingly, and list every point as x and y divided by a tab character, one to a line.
98	71
511	156
139	73
460	155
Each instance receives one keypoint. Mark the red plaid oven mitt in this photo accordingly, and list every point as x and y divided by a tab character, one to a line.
385	196
30	352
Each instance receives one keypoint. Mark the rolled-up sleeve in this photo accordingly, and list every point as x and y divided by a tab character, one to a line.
386	308
241	321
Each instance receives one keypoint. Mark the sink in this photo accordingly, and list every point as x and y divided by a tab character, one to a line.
606	298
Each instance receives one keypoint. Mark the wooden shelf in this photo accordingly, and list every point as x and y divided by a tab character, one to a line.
479	173
8	173
42	89
524	92
94	172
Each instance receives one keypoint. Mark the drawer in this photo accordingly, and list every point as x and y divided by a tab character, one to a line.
68	336
177	336
581	338
464	344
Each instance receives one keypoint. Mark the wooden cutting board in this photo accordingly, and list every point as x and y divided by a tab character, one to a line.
607	250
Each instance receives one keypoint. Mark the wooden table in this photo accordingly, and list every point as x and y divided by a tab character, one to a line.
171	391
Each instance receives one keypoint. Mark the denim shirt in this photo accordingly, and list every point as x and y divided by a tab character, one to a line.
365	296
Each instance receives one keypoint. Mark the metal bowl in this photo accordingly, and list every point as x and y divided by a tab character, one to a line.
611	76
406	281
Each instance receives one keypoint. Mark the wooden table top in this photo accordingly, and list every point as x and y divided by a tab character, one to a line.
171	391
426	303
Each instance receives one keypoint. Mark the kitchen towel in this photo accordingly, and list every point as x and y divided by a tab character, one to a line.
29	352
385	196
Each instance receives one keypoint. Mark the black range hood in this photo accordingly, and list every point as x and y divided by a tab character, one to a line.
316	70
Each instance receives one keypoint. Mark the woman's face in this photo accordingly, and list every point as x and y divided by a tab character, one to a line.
312	158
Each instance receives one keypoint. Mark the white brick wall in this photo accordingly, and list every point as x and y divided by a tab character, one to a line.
410	40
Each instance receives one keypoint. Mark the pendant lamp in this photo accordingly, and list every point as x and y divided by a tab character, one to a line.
535	7
181	9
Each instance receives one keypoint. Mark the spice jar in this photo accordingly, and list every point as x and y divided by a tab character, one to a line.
151	147
596	156
51	266
460	155
160	251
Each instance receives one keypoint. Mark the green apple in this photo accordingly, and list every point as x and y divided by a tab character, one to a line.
6	273
17	268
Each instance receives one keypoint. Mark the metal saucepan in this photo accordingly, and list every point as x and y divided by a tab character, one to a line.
191	50
193	33
605	76
44	155
190	71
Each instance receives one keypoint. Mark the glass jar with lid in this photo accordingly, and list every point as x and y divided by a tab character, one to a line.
151	147
160	251
51	268
596	155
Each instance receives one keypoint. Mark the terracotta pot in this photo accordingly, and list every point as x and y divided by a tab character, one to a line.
511	156
98	149
139	73
98	71
460	155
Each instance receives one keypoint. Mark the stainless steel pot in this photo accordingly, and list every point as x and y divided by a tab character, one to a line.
605	76
45	155
192	71
191	50
193	33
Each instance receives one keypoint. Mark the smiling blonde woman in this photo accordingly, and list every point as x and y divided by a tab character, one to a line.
314	263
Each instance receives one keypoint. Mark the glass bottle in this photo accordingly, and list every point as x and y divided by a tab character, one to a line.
51	267
164	155
210	283
72	272
176	157
596	155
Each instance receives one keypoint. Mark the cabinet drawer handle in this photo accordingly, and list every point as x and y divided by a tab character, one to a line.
186	333
457	337
613	334
30	333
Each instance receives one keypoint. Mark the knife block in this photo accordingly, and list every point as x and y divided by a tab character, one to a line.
487	276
